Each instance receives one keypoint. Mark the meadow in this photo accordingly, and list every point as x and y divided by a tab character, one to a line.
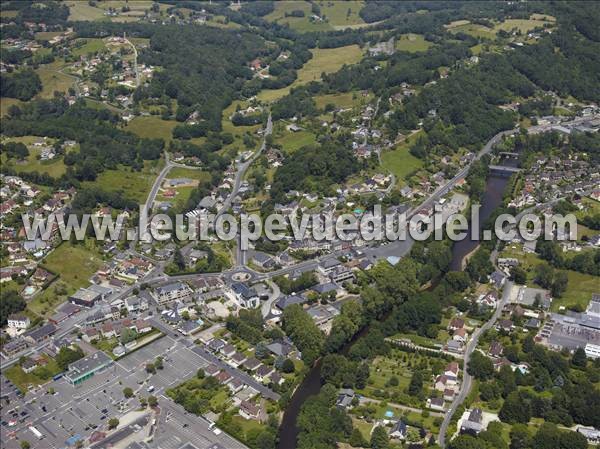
327	60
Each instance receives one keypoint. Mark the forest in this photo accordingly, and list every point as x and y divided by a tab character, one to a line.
22	85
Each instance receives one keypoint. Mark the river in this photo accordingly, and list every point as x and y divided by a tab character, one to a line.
311	384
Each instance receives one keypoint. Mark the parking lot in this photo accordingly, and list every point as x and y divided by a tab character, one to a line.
176	427
81	410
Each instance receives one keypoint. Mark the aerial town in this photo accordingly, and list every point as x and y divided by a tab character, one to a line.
116	109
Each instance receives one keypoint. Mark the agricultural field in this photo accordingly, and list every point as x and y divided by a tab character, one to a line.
152	127
327	60
53	80
412	43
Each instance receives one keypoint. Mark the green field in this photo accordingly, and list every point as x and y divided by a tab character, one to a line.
54	167
579	291
135	185
412	43
6	103
336	12
152	127
38	376
523	25
46	35
53	80
82	11
326	60
291	142
74	264
579	288
183	193
472	29
302	24
343	101
89	46
399	161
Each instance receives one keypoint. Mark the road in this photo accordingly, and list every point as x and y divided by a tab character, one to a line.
135	64
467	381
239	177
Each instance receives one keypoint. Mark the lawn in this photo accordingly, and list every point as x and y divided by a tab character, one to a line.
38	376
579	288
88	46
54	167
343	101
399	161
46	35
471	29
291	141
82	11
523	25
53	80
75	264
301	24
324	60
6	103
342	14
152	127
579	291
412	43
183	193
134	184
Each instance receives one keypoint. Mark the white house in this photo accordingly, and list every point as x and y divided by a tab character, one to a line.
18	321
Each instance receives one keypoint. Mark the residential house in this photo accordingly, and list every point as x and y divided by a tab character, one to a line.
13	347
455	324
344	399
496	349
505	325
474	423
436	404
251	364
249	410
172	292
263	372
237	359
40	334
18	321
245	296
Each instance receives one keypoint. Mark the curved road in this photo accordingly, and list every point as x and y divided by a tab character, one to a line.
467	381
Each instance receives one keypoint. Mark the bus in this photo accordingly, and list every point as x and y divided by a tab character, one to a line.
39	435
